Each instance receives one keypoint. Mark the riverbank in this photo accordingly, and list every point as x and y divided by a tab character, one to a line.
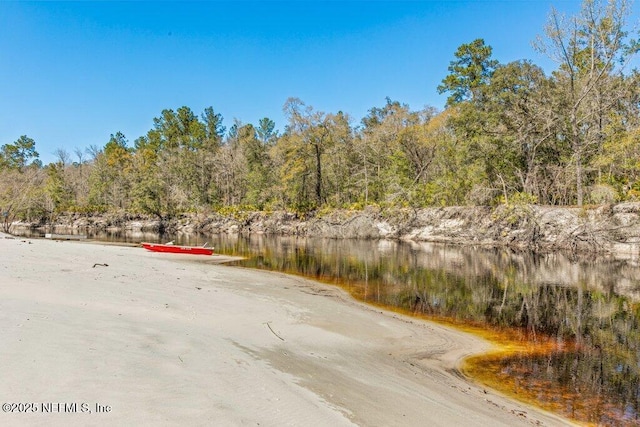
607	229
164	339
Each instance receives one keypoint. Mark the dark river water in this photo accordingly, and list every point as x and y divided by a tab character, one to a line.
570	327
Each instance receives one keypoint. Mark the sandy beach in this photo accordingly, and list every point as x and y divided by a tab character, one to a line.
94	334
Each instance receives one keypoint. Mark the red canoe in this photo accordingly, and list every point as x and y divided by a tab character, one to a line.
176	249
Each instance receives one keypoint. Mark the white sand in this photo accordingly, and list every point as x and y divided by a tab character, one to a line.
182	340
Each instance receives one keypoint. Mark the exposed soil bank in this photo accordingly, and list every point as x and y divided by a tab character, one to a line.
612	229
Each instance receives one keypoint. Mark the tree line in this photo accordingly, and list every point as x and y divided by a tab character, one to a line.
509	133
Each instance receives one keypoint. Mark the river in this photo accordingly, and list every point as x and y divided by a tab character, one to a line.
567	330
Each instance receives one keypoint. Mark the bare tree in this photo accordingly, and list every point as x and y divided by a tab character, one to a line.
591	49
63	156
80	154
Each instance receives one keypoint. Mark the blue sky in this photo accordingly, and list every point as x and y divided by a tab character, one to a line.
73	73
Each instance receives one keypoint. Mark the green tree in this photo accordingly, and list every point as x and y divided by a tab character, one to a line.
254	144
110	180
186	147
213	126
380	152
592	50
309	132
619	161
468	73
19	154
457	172
520	129
266	131
151	192
57	188
341	162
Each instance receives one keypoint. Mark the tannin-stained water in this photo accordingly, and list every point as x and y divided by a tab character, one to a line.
568	331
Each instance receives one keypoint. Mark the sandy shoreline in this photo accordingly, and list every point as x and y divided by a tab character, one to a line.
182	340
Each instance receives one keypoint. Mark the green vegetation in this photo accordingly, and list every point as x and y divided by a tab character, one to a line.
509	133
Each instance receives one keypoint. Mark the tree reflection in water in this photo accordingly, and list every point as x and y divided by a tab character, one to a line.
576	323
571	326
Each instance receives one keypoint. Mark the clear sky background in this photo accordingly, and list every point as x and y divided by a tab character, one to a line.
73	73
